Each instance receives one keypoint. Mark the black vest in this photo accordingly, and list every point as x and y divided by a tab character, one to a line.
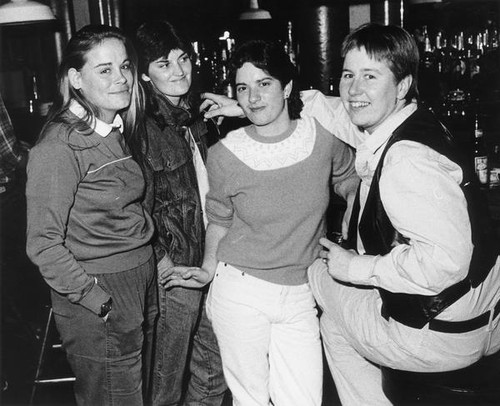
378	234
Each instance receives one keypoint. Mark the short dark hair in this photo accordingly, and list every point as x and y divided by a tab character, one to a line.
156	39
272	59
392	44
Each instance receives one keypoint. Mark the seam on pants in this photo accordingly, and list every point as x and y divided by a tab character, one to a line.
108	370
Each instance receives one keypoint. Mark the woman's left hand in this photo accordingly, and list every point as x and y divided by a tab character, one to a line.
337	259
186	277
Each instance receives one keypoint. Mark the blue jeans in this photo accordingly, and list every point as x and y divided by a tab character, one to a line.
187	366
106	356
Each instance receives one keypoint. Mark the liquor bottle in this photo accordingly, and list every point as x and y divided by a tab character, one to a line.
459	79
429	78
438	52
495	168
480	154
223	84
428	59
290	43
34	99
474	54
490	36
332	86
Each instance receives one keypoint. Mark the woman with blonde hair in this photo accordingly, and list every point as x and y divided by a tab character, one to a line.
87	230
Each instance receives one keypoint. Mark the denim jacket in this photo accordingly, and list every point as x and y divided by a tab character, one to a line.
172	195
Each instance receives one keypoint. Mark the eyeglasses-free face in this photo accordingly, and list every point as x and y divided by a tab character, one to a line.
106	79
171	76
263	99
369	90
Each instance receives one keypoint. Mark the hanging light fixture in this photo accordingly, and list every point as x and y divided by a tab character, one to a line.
254	12
24	12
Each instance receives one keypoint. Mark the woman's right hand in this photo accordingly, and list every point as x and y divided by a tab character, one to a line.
186	277
219	106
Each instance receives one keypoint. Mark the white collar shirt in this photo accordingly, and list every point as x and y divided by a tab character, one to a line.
420	191
100	127
421	194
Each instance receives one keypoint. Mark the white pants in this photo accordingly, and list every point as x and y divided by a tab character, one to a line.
357	339
269	339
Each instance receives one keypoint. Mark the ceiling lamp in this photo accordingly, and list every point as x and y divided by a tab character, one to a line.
24	12
254	12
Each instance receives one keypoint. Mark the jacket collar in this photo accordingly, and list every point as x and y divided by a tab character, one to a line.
173	115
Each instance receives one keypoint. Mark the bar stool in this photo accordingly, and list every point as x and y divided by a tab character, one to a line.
477	384
51	350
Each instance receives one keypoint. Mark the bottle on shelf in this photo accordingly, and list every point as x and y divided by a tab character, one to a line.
429	81
332	86
490	36
428	58
495	168
455	114
224	85
290	47
438	51
458	74
480	154
34	99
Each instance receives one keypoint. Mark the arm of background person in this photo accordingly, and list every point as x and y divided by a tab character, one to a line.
13	153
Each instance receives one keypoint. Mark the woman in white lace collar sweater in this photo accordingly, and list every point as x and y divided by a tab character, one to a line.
269	189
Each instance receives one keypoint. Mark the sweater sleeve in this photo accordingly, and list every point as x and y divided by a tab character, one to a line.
52	182
343	159
219	206
343	162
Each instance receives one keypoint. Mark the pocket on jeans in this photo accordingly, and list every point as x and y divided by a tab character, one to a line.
61	305
208	304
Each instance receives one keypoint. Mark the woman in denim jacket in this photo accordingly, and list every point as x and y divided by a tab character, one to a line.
173	154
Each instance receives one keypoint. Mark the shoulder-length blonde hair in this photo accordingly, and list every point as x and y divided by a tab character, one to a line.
75	56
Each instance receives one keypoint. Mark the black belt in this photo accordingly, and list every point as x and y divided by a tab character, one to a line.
465	325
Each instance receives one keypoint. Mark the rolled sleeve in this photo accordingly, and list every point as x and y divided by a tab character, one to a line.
94	298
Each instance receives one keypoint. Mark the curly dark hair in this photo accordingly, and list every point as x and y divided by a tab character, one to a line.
272	59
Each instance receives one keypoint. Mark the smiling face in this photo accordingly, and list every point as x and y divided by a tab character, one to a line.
171	75
106	78
369	90
263	99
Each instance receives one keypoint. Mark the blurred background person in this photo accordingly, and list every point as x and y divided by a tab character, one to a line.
18	276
